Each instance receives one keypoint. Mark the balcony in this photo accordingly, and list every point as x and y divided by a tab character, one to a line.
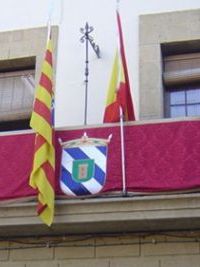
163	181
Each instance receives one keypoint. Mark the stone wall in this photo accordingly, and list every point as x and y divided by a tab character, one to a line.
154	30
24	44
166	250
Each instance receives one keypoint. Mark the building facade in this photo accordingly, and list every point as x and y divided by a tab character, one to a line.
162	48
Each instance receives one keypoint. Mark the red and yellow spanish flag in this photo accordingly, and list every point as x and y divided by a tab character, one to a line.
119	94
42	176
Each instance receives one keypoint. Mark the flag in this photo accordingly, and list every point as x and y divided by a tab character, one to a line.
119	94
42	176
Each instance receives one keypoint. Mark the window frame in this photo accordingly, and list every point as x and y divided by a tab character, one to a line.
185	88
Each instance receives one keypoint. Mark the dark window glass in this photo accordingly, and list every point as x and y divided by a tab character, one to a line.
183	101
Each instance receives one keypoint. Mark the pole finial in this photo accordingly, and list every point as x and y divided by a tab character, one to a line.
51	9
117	4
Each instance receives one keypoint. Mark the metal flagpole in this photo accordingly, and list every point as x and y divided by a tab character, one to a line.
49	36
50	12
124	191
124	187
88	40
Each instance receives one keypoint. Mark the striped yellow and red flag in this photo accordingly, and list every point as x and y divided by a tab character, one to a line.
119	94
42	176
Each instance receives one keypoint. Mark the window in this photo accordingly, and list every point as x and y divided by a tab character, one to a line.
21	56
183	102
181	78
16	93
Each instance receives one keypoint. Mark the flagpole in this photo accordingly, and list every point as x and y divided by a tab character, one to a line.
124	191
50	12
48	29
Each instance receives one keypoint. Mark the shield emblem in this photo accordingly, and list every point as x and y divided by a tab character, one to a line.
83	166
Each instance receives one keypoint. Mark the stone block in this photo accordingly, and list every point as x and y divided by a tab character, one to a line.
4	253
5	37
4	52
150	74
31	254
183	261
13	264
117	247
20	50
85	263
42	264
150	53
17	36
74	252
75	249
134	262
169	248
150	29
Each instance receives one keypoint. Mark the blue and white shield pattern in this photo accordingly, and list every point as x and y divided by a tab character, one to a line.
83	166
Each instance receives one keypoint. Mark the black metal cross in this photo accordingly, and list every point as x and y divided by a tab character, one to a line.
88	40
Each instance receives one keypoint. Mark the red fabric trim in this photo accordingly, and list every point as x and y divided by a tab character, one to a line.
41	109
40	208
122	98
160	157
39	141
129	103
50	173
111	113
46	83
48	57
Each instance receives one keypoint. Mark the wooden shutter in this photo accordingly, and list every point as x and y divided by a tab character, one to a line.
181	69
16	95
